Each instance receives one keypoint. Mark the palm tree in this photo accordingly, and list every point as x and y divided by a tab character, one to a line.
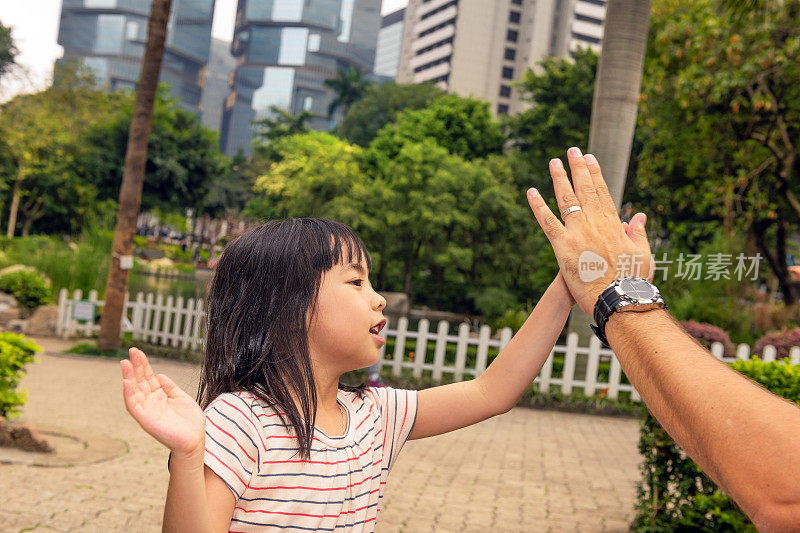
349	85
615	105
281	124
130	194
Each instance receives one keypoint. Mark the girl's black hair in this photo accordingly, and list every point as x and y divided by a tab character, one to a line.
266	283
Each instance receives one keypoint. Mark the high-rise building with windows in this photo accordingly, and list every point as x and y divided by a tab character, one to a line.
479	47
390	42
286	49
221	65
109	36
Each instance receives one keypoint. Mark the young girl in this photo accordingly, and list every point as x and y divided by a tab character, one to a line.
281	444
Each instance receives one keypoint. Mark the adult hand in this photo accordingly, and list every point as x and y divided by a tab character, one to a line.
163	410
593	247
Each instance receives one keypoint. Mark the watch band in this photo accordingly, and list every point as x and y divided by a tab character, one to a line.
609	302
606	304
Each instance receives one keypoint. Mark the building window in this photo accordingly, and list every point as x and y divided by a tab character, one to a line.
510	54
514	17
516	2
308	103
508	73
585	38
505	91
313	42
131	30
596	2
109	34
512	36
502	109
585	18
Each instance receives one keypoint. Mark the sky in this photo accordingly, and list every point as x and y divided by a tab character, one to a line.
34	26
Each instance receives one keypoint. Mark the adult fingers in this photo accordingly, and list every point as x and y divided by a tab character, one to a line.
606	202
565	196
551	226
636	230
582	181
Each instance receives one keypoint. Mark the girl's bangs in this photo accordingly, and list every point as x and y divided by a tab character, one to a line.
342	246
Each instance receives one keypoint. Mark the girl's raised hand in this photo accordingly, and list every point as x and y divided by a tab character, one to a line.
163	410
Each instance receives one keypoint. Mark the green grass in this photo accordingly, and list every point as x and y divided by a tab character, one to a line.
82	264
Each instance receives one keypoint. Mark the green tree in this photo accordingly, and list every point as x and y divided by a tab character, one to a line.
462	126
182	160
231	189
42	140
281	124
315	170
8	50
380	106
559	93
349	85
720	119
438	226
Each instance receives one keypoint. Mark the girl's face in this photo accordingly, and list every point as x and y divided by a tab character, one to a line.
344	333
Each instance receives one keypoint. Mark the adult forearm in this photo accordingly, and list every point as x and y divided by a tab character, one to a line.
186	508
520	361
744	437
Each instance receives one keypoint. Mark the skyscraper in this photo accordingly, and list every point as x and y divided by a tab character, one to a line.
286	50
221	65
109	36
390	42
479	47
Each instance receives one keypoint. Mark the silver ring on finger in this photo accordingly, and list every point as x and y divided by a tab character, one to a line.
569	210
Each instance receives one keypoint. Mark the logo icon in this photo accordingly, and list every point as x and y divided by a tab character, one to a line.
591	266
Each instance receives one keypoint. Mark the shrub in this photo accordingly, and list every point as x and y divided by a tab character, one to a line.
675	494
29	288
15	352
707	334
783	341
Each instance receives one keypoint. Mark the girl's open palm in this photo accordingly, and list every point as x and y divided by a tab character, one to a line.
163	410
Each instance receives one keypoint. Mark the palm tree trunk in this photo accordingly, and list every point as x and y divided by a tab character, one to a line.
12	214
130	194
614	108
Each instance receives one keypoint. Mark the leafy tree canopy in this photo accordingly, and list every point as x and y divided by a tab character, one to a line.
462	126
720	123
42	144
8	50
183	156
380	106
560	94
349	85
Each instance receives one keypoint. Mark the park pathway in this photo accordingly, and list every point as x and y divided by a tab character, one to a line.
527	470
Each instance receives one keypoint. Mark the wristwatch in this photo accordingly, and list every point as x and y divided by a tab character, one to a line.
624	294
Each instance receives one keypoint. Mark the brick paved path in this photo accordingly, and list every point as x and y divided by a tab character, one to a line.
527	470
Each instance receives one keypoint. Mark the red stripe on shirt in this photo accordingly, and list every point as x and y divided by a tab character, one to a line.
249	420
226	466
231	436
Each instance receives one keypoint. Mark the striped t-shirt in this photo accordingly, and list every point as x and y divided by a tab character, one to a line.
340	487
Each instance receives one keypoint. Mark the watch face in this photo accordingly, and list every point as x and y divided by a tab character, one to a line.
638	289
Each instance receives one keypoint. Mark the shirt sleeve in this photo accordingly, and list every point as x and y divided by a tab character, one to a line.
233	441
398	414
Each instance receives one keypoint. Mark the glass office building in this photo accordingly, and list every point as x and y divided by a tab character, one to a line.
286	49
110	36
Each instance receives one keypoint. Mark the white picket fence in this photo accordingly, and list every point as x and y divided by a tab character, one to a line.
178	323
157	320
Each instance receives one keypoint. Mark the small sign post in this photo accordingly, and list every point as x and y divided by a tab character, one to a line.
83	310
